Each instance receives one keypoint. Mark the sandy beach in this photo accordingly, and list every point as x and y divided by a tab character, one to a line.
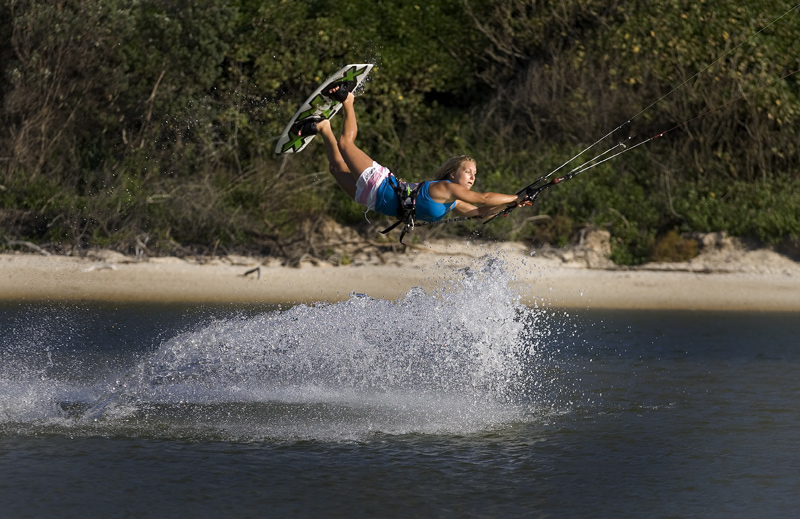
723	277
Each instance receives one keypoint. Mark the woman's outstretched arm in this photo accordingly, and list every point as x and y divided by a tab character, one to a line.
468	200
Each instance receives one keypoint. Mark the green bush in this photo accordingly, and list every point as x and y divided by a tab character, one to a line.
128	118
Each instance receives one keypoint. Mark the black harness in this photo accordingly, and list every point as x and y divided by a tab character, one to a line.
406	205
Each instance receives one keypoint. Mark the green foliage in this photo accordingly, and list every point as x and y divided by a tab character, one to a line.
765	210
130	122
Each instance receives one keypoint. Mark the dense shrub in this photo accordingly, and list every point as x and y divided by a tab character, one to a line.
132	121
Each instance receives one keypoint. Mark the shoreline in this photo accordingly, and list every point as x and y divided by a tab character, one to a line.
744	281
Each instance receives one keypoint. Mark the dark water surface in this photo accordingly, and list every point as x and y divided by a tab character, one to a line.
437	405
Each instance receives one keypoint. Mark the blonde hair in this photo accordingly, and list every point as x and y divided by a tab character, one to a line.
450	166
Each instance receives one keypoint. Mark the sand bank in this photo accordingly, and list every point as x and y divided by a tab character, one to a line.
739	280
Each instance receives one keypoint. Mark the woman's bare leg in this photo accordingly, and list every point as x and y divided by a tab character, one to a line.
357	161
338	167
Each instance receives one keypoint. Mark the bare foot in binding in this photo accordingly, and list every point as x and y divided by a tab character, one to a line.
307	126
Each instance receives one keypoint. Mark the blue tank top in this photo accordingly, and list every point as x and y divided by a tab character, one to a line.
427	210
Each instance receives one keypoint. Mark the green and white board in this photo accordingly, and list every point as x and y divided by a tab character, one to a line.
317	104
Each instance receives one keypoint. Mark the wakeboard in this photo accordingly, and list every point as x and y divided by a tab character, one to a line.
318	104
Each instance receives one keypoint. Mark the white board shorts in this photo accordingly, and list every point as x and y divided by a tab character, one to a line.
368	183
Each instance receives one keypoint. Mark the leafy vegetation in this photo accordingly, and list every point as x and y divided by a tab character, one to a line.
143	123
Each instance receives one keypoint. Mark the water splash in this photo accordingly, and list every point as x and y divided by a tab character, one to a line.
461	359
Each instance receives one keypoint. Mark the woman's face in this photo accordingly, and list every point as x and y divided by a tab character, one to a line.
465	174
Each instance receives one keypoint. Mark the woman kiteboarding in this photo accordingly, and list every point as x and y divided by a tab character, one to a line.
375	187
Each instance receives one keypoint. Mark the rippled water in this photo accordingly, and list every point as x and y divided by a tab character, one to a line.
460	402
